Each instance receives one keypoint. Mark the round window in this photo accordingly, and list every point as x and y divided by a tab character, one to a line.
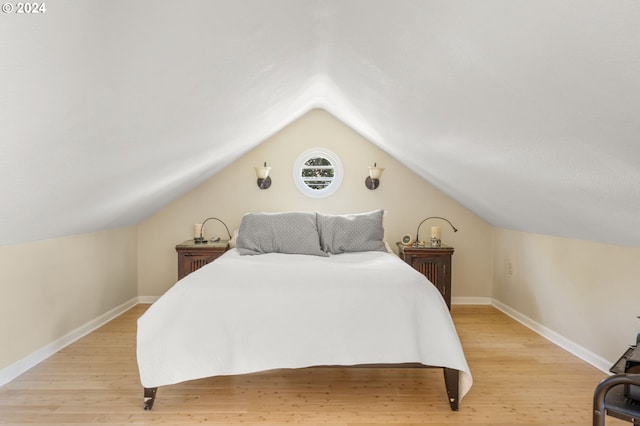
317	173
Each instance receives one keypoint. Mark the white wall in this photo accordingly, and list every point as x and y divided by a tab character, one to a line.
50	288
233	191
587	292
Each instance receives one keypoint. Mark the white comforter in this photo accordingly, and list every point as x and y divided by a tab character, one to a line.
242	314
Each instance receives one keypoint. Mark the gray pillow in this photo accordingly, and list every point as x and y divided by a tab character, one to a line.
292	233
352	232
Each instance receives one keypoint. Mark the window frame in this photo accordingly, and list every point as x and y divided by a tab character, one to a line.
302	184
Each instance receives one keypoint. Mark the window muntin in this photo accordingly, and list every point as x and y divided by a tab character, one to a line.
317	173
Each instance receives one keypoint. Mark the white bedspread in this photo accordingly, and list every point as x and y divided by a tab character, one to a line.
242	314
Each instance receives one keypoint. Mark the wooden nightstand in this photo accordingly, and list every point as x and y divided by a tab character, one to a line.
434	263
192	256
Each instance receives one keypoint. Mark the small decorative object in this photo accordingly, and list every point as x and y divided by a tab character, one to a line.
407	240
435	232
373	180
199	231
435	236
264	181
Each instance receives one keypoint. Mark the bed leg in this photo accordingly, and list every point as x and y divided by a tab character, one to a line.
149	397
451	383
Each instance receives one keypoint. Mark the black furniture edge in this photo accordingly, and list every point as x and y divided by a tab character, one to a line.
617	406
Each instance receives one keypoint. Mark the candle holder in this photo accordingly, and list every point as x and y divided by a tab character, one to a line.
436	242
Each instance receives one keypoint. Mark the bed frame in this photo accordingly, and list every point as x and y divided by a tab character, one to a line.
450	381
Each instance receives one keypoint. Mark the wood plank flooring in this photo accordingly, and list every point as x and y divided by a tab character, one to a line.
519	378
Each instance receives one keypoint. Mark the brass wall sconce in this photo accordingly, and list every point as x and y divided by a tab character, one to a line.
264	181
373	180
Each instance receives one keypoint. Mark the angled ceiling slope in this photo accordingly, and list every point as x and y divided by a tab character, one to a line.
525	112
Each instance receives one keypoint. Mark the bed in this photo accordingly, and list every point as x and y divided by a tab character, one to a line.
300	290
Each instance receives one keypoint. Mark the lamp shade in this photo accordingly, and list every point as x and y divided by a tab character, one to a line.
262	172
375	172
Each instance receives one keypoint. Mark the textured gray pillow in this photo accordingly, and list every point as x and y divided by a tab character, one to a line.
352	232
292	233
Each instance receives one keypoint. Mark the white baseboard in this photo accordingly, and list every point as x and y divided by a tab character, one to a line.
12	371
555	338
148	300
471	301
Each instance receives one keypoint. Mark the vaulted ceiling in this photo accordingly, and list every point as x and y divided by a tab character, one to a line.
526	112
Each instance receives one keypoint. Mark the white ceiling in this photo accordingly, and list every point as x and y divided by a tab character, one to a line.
526	112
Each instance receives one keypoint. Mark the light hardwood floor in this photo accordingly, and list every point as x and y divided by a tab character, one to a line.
519	378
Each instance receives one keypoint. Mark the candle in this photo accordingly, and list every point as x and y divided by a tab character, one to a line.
197	230
435	232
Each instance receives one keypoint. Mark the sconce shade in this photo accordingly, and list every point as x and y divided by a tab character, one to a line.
262	172
375	172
